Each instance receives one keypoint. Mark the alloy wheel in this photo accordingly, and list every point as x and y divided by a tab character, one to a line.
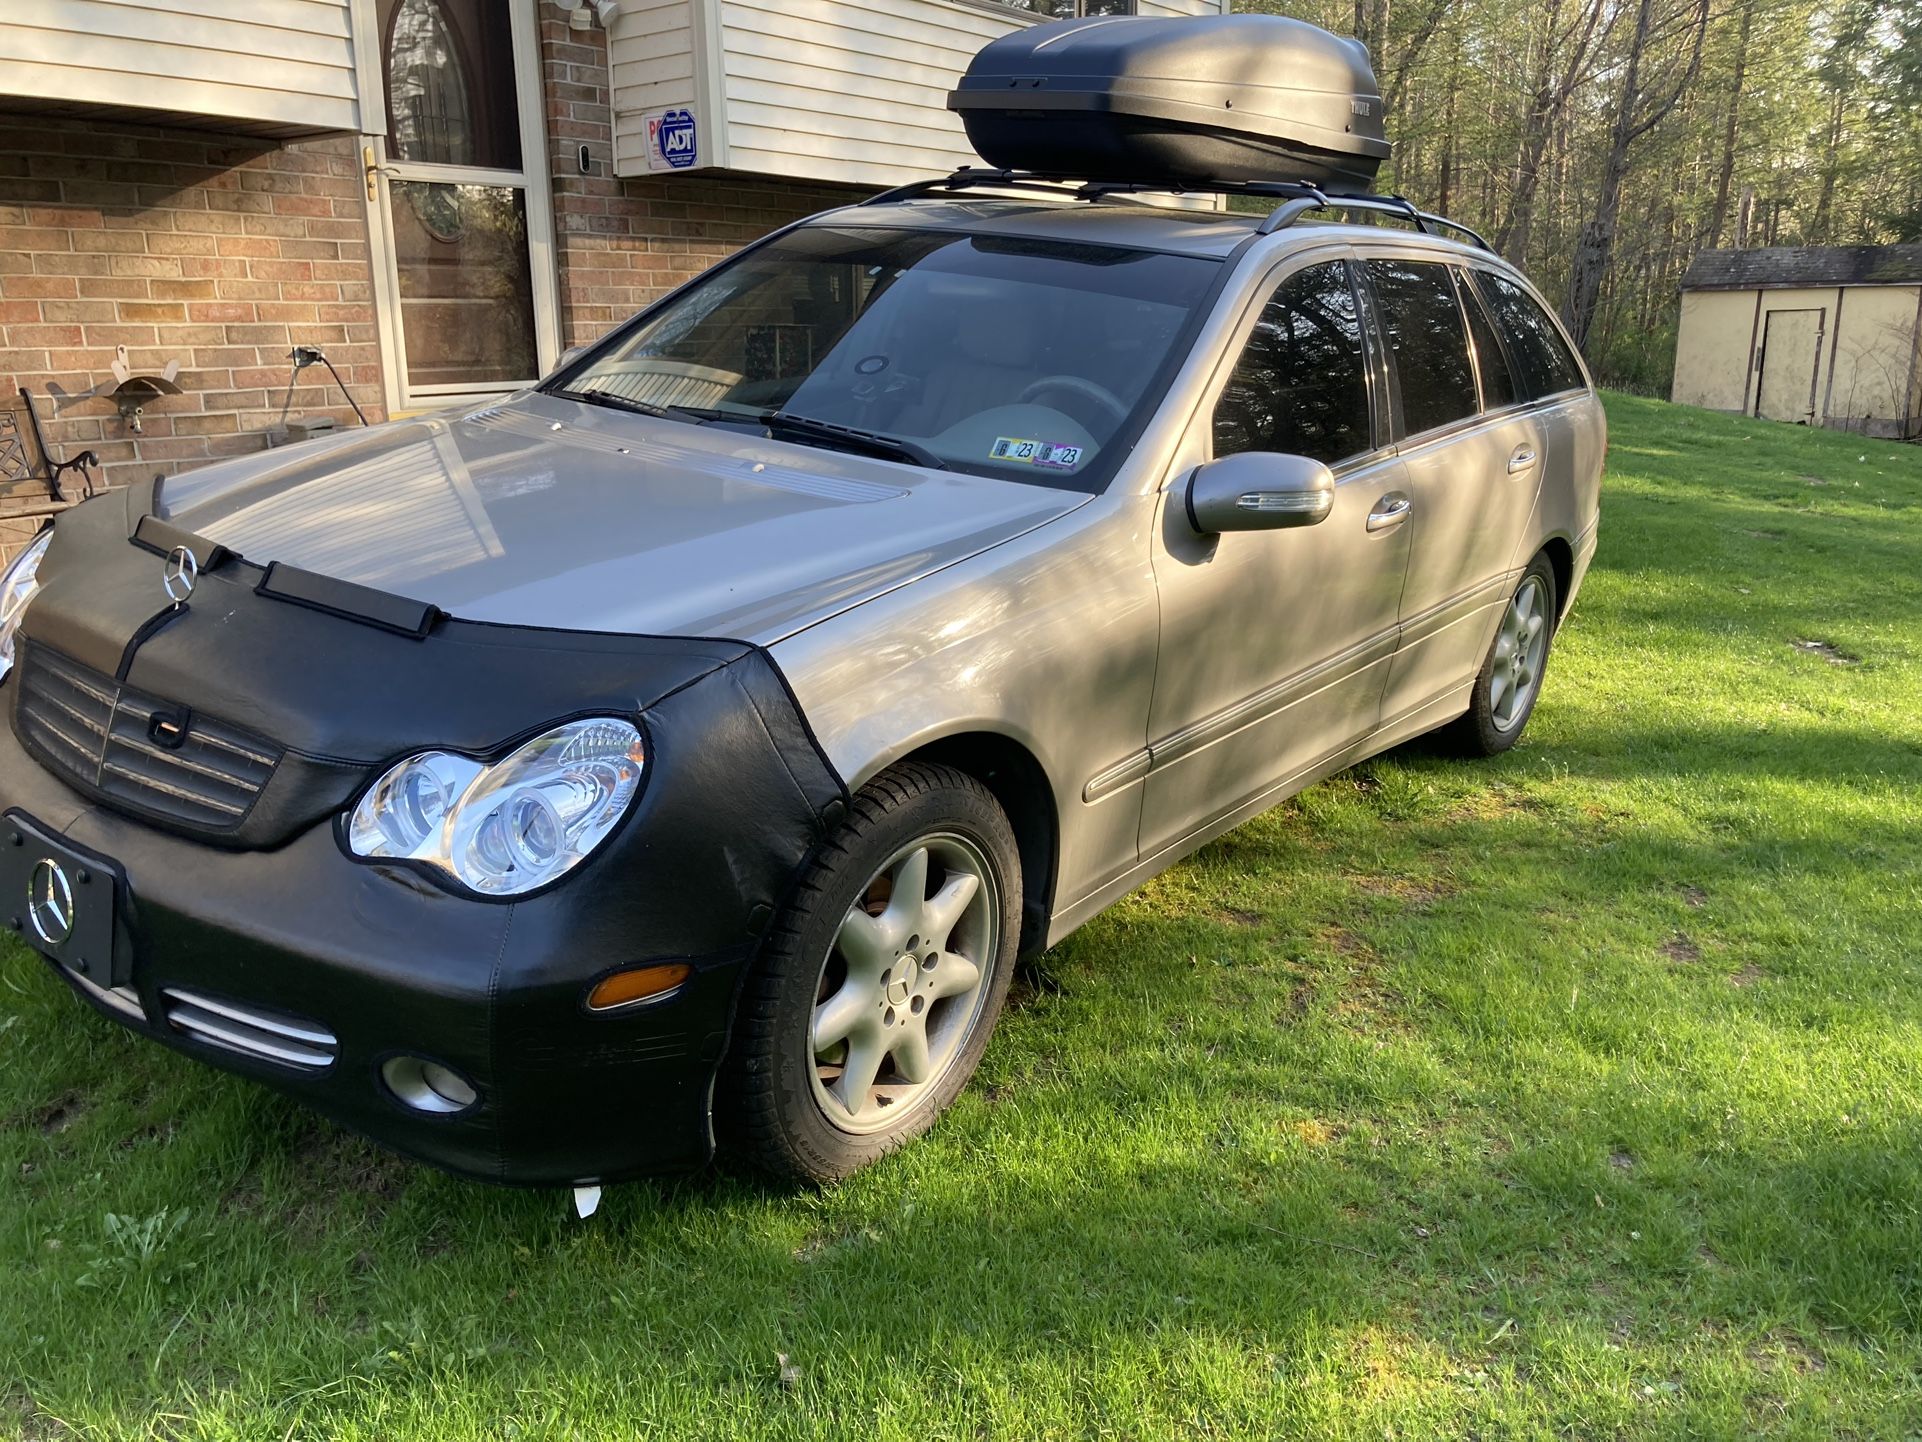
1520	649
903	985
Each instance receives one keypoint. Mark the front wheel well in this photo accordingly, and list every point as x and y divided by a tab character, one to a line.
1010	771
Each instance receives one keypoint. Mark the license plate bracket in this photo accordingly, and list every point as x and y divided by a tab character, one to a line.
63	901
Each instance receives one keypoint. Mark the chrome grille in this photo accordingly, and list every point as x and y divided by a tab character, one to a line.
265	1035
99	734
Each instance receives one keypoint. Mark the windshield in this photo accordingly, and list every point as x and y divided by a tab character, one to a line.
1023	359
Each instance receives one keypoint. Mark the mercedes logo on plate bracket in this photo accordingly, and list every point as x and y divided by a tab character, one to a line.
181	575
50	902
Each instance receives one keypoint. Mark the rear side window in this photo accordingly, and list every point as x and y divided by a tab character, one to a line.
1498	386
1423	323
1543	361
1300	386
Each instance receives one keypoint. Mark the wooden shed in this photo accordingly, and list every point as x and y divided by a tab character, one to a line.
1823	335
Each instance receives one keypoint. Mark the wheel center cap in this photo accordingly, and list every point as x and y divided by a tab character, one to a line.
900	982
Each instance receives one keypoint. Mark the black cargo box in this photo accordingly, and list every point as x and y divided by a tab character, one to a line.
1219	97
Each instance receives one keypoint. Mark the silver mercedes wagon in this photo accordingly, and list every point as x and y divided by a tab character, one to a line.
682	752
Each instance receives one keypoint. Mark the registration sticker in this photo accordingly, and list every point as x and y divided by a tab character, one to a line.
1035	453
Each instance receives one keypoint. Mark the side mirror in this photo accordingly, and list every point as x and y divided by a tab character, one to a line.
1259	491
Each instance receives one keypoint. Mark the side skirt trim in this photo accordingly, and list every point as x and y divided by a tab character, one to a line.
1270	700
1416	629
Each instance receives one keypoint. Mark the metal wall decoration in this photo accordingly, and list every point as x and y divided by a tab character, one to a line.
130	393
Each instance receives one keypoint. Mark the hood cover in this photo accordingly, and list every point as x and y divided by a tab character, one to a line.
540	511
321	700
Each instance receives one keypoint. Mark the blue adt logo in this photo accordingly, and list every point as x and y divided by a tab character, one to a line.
676	138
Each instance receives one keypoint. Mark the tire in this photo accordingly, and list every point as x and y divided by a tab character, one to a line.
848	956
1504	698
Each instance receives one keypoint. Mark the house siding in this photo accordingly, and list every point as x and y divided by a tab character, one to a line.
622	243
1873	359
852	91
652	58
298	75
1712	349
864	97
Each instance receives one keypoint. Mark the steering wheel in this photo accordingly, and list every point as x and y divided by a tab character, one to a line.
896	384
1080	386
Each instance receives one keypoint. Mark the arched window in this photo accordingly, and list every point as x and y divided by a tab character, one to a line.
429	115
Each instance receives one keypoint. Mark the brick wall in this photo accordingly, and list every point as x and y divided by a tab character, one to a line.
219	252
223	253
623	243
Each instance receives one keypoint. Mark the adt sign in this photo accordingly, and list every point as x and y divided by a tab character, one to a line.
674	142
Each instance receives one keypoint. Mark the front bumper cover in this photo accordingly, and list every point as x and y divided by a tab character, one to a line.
278	918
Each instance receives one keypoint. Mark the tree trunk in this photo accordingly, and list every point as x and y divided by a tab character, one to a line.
1725	173
1831	166
1511	237
1549	94
1597	244
1635	116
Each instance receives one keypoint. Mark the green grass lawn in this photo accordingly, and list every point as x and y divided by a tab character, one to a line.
1576	1093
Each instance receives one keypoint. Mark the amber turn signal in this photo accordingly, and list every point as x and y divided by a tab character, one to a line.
638	983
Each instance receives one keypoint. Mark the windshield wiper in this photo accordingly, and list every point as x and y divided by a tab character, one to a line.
875	443
617	403
800	428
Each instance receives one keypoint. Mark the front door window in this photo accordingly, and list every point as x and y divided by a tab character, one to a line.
1301	384
462	211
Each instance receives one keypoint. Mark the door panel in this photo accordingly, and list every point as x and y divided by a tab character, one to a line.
1274	649
1473	493
1791	351
1543	374
1275	644
1473	478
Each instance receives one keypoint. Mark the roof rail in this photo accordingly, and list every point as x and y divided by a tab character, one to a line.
1297	199
1287	213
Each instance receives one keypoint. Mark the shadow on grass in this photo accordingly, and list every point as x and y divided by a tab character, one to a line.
1796	749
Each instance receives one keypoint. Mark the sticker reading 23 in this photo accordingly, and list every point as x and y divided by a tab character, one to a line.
1035	453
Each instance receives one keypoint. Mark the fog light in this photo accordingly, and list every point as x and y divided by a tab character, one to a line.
427	1086
640	983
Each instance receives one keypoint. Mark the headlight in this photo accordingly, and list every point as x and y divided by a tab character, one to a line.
512	826
16	589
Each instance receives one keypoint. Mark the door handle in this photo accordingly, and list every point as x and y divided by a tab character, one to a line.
1521	459
1391	510
373	170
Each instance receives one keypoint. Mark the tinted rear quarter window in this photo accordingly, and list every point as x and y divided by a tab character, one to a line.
1543	361
1300	385
1423	323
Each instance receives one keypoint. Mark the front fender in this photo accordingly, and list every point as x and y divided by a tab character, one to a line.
1048	640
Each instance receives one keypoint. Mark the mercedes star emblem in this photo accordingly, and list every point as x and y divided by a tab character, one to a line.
181	575
50	902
